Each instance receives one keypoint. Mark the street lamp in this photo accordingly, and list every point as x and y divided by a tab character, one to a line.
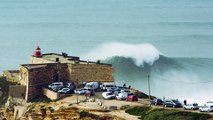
77	88
149	89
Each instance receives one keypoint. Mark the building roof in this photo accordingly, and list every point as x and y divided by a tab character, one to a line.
65	58
61	58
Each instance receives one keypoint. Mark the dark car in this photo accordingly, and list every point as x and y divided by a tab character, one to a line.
157	101
172	103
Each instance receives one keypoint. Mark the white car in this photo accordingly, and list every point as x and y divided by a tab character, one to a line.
193	106
206	109
122	96
64	90
108	86
55	85
209	103
80	91
108	95
92	85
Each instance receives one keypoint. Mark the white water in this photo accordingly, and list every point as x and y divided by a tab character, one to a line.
178	28
141	53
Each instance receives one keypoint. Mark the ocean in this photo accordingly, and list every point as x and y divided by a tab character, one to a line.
171	40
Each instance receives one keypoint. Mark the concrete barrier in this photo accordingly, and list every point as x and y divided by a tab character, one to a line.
50	94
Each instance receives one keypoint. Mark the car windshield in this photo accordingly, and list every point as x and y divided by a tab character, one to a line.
210	102
195	104
57	84
89	86
80	89
109	94
109	85
175	101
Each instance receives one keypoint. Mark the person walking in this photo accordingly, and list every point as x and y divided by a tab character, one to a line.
185	102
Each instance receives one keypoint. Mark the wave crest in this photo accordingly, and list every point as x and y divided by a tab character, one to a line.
140	53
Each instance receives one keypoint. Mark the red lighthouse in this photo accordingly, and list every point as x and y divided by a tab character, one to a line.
37	52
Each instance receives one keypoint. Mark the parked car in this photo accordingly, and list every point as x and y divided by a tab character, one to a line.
108	95
193	106
56	86
80	91
65	90
69	85
209	103
115	90
122	96
172	103
92	85
132	98
107	86
125	90
206	109
157	101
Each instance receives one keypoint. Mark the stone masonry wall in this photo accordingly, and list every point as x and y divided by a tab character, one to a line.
42	77
35	77
90	73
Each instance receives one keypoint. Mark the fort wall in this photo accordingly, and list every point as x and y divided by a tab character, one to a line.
90	73
39	60
36	76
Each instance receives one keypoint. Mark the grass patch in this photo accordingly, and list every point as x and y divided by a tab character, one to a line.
139	111
146	113
4	85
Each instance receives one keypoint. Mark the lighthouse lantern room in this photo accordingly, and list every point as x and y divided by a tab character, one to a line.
37	52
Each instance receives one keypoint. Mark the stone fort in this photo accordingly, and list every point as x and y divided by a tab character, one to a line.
47	68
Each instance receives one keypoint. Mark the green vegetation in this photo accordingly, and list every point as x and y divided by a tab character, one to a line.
138	111
4	88
84	114
41	98
147	113
124	107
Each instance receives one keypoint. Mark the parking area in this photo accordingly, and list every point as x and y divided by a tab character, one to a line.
101	90
110	95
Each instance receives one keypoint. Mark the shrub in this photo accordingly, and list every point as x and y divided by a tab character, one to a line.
147	113
41	98
138	111
84	114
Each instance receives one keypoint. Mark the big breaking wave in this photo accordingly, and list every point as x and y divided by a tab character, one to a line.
142	53
182	78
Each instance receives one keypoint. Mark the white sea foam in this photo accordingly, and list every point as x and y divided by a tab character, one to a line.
141	53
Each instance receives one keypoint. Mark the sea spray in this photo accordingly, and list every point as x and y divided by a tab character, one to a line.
140	53
177	78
